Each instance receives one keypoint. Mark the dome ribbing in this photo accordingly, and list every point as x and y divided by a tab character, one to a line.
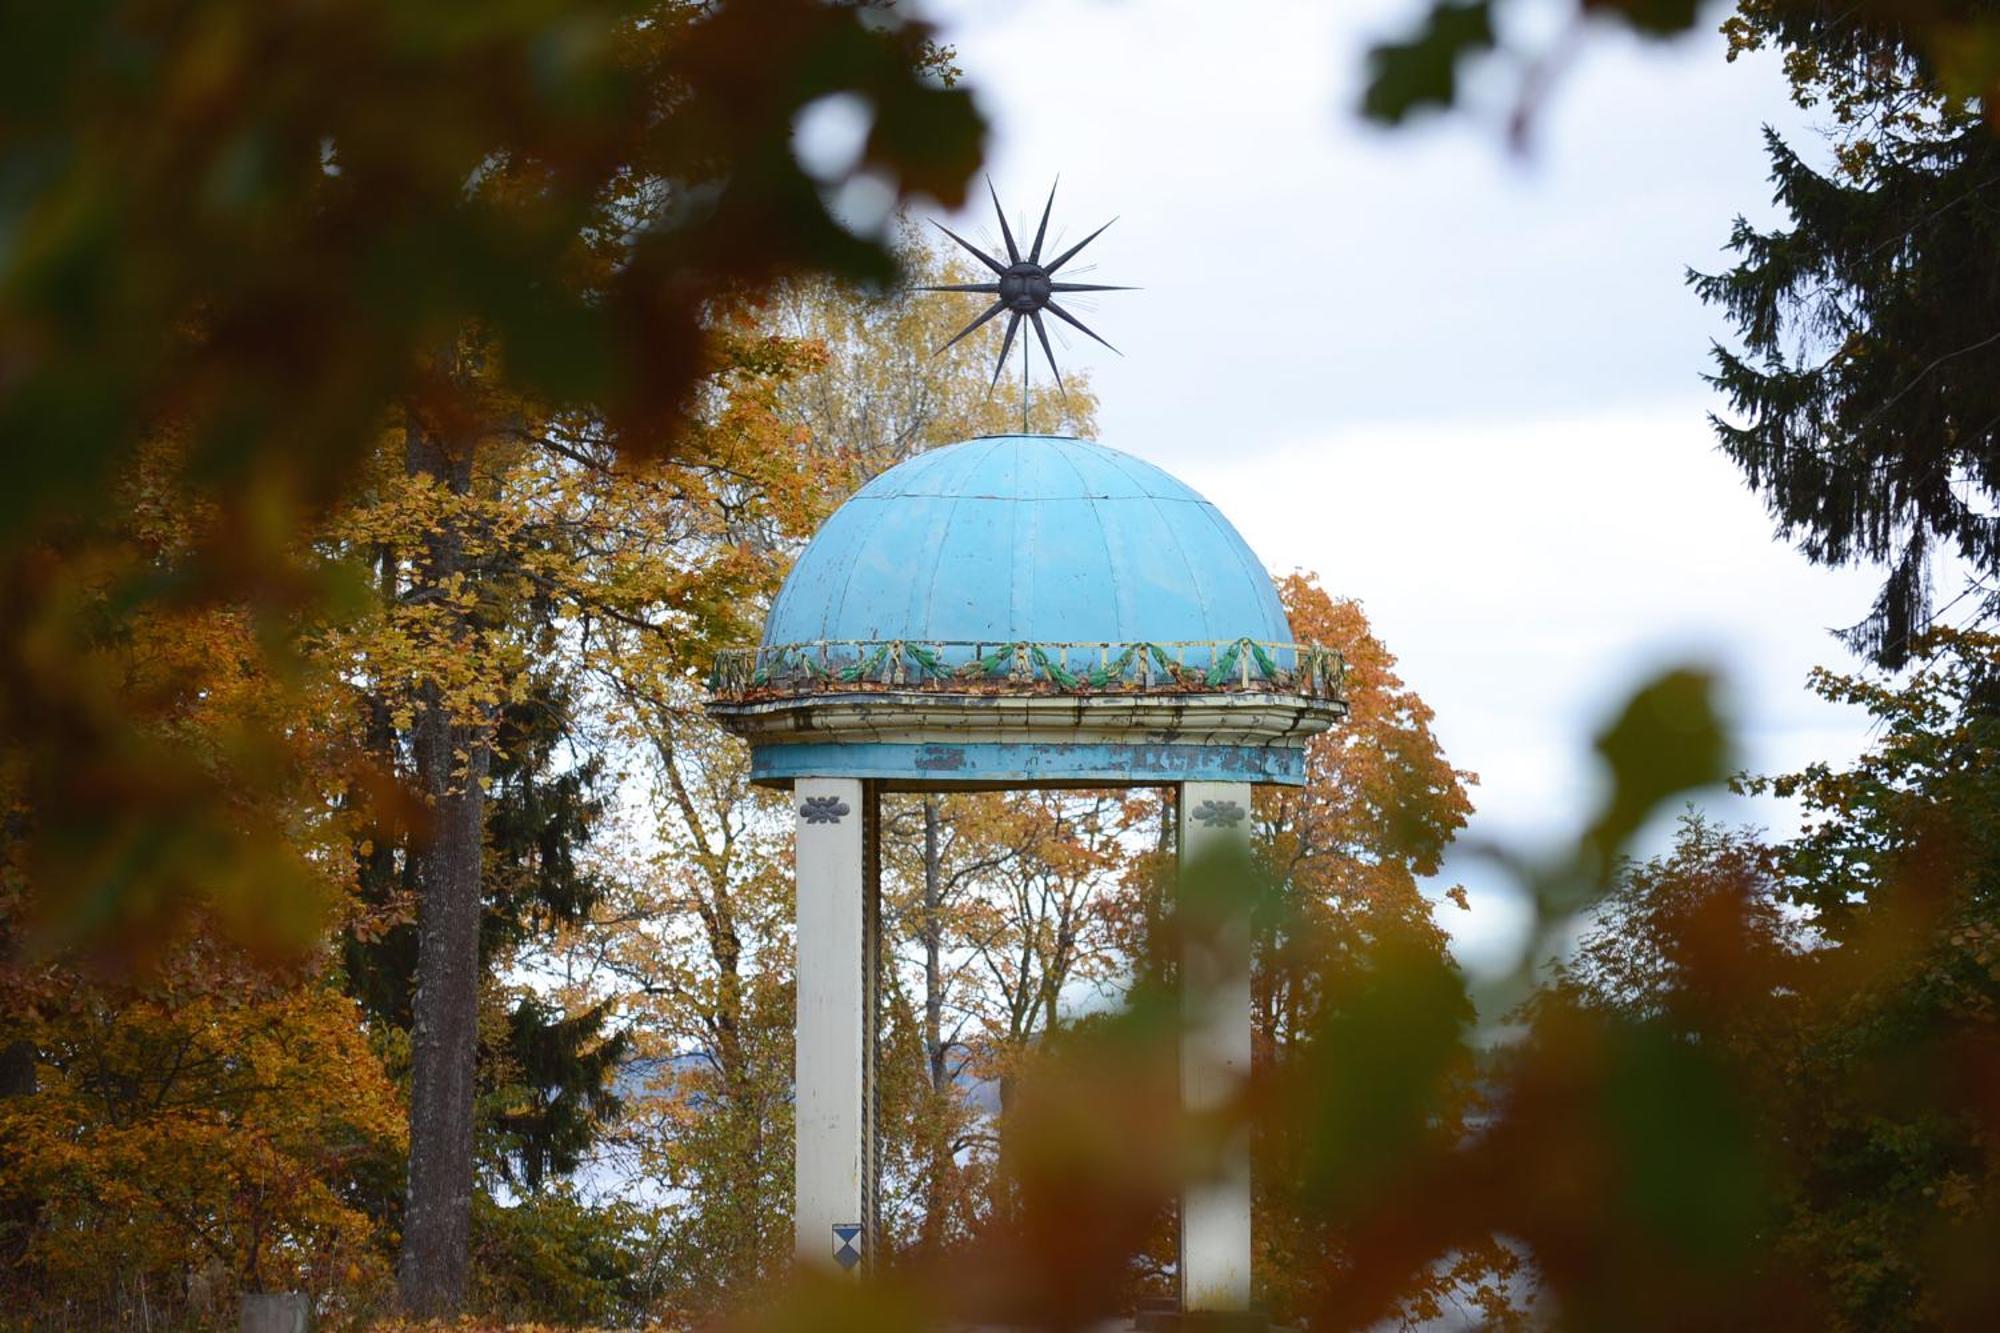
1026	538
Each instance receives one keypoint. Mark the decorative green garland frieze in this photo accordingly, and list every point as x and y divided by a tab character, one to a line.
1240	664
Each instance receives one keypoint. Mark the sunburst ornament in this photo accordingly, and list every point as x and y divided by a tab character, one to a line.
1024	288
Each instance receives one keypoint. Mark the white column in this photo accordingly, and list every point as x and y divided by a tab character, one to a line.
830	1059
1215	1052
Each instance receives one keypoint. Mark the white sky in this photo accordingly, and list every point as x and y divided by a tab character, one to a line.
1459	383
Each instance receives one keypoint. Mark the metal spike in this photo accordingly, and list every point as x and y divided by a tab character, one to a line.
1006	346
977	253
1027	290
1070	253
1013	251
1065	316
991	311
1042	332
1035	255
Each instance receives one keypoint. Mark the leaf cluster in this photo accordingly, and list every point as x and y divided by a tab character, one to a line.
1885	63
247	242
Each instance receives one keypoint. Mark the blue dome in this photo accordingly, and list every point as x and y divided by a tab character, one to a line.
1027	610
1015	538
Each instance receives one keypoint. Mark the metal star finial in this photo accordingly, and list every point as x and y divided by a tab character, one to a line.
1023	288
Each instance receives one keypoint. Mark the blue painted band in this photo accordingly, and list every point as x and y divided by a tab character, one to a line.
1113	765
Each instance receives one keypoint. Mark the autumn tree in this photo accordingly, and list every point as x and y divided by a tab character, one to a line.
211	1132
1888	1098
646	568
1840	990
1033	928
520	564
1004	916
534	610
938	850
469	672
185	1118
698	951
488	240
444	653
1346	854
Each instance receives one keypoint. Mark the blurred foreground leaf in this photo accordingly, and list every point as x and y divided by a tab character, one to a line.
242	242
1421	71
1667	740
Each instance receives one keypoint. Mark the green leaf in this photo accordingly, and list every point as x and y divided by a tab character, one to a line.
1423	71
1692	1172
1379	1072
1669	738
1054	670
1655	18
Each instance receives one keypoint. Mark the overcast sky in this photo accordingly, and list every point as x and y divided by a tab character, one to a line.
1460	383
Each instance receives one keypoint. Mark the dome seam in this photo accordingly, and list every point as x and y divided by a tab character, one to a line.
1119	592
1253	570
928	606
1116	460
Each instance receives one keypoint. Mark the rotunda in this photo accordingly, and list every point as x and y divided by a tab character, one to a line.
1028	610
1014	611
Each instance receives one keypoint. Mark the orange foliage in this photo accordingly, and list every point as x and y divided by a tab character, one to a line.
218	1122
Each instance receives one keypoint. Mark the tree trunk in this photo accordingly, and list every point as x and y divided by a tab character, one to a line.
453	757
942	1169
933	946
17	1069
20	1210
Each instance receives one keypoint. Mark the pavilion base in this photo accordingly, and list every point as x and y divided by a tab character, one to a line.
1164	1315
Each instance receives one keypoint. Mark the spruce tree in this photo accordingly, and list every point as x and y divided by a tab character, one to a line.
543	814
1866	392
555	1068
